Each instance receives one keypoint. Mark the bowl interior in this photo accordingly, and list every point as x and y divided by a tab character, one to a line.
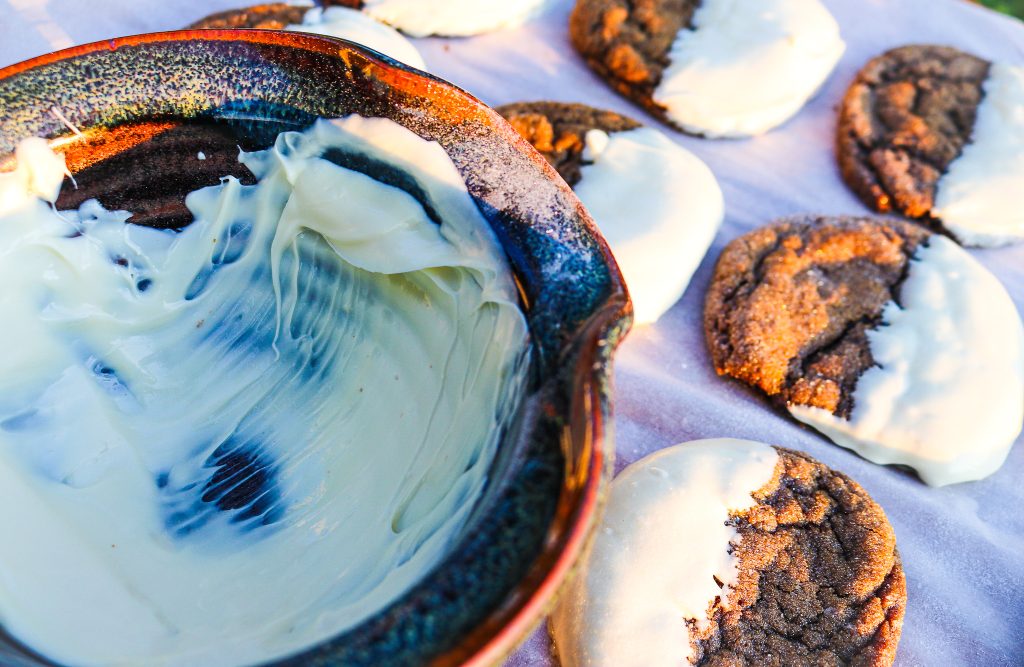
130	116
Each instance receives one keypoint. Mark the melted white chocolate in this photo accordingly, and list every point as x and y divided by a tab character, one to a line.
222	445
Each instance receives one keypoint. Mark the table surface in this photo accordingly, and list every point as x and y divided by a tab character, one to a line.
962	546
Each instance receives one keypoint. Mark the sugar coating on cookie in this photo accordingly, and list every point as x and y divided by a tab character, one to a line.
452	18
946	392
662	548
891	341
362	28
657	204
979	198
938	134
271	16
744	68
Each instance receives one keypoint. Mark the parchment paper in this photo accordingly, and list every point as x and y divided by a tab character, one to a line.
962	546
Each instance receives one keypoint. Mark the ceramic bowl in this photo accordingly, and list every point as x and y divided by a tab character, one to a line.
130	115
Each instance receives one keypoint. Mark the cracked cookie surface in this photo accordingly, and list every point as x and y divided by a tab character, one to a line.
627	42
558	130
820	581
906	117
790	304
271	16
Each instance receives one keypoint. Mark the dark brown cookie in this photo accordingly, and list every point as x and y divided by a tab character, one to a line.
905	118
627	42
557	130
790	304
820	580
272	16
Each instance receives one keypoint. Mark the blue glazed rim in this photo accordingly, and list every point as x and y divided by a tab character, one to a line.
547	483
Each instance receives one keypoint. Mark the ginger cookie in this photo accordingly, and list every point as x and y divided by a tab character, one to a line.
716	68
270	16
417	18
935	133
342	20
726	552
656	203
890	340
559	130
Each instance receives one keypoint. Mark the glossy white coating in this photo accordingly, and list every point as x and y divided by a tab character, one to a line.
748	66
452	18
979	198
223	445
658	206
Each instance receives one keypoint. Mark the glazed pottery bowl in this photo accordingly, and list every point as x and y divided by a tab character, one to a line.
130	116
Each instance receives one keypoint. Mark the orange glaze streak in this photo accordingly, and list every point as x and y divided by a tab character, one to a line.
97	144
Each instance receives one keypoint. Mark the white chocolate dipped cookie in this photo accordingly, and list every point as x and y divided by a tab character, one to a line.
656	203
333	21
936	133
703	543
892	341
717	68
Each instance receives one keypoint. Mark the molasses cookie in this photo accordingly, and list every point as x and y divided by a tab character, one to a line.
732	552
892	341
271	16
936	133
719	68
452	18
656	203
333	21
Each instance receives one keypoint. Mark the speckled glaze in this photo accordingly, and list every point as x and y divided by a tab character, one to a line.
141	106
